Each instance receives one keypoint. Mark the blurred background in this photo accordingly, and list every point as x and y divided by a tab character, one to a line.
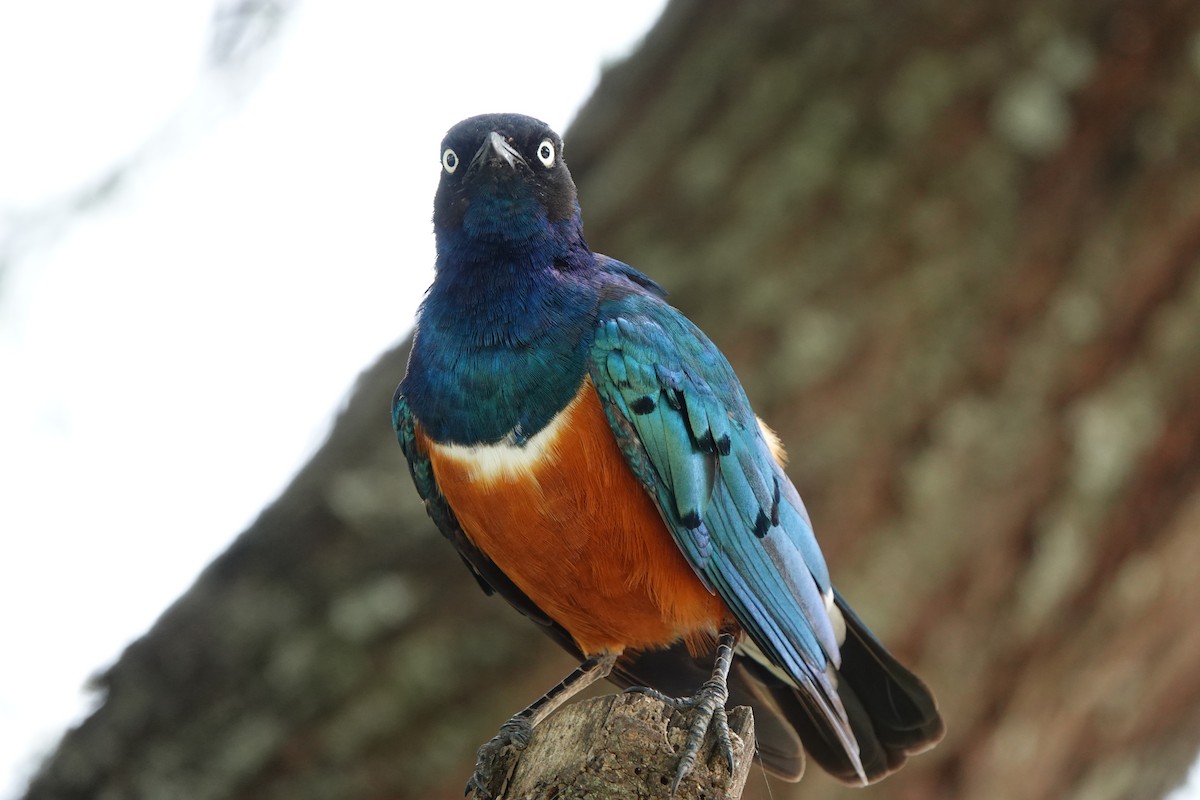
954	254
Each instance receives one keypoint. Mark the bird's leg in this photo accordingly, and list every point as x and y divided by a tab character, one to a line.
492	761
709	708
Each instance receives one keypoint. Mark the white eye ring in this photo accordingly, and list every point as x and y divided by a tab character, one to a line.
449	161
545	153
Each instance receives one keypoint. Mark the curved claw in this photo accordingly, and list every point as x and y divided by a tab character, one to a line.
494	759
709	709
709	705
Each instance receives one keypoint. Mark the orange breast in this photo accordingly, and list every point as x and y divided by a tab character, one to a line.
570	524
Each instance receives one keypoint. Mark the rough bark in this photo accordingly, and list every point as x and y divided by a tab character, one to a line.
627	746
953	250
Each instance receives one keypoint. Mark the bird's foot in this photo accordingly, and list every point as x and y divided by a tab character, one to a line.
707	706
494	761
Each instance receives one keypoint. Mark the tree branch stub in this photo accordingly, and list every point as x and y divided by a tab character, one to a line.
626	746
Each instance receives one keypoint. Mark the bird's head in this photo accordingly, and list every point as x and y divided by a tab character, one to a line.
503	179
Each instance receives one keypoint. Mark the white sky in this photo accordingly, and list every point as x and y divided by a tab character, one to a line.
172	358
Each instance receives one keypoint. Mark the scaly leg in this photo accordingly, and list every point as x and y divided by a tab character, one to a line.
709	704
491	762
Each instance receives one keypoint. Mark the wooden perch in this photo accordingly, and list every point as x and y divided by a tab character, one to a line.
626	746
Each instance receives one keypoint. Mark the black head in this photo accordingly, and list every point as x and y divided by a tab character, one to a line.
502	165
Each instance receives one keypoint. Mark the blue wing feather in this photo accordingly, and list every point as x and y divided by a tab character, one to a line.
684	424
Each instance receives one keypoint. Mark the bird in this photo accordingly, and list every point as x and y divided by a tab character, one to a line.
595	461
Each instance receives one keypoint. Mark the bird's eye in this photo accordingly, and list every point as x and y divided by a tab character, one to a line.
449	161
545	153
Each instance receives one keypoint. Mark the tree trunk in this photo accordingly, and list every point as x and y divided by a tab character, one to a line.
953	251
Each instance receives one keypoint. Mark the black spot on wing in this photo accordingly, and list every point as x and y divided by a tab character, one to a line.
762	524
724	446
643	405
775	502
691	520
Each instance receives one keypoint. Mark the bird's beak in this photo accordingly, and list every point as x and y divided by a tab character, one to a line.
495	148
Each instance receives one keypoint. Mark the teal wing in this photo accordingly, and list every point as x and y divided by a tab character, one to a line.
686	429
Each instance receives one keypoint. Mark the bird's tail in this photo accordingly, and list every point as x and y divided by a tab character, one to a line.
891	712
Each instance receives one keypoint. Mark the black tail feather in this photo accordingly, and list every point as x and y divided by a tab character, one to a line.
891	712
901	709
